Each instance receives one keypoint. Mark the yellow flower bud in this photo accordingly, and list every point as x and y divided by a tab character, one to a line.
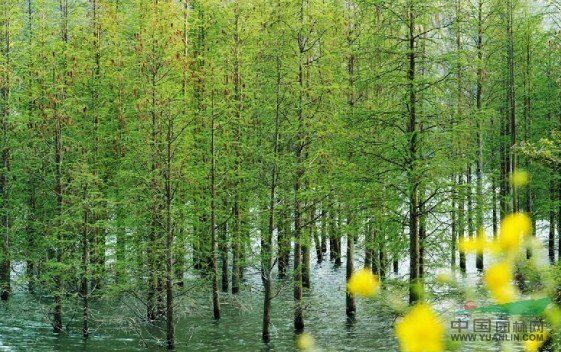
363	283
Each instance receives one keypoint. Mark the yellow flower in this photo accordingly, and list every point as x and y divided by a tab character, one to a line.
305	342
553	316
513	227
445	277
534	342
519	178
363	283
477	244
498	279
420	331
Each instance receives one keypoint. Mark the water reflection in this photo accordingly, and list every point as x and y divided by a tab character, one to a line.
24	324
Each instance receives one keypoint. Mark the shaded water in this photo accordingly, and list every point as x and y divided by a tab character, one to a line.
24	324
117	326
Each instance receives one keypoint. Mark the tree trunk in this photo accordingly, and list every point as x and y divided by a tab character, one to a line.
267	236
238	241
461	220
59	150
306	270
412	171
559	220
337	231
453	225
170	330
213	242
224	255
368	246
323	230
551	238
84	289
350	299
283	240
469	198
479	134
5	265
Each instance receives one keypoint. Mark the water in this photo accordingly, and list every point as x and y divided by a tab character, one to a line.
117	323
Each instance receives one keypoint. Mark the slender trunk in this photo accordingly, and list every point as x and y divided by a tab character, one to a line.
412	171
31	267
368	245
453	225
30	233
84	289
510	162
5	265
306	271
298	308
300	144
469	201
422	239
350	299
337	222
479	134
267	237
315	234
237	245
323	230
461	221
59	150
97	246
528	126
331	233
213	242
551	238
376	234
495	212
152	251
382	255
170	330
559	219
224	255
283	240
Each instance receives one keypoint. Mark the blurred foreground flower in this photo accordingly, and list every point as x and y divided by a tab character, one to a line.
445	277
498	279
513	228
363	283
477	244
420	330
534	342
519	178
305	342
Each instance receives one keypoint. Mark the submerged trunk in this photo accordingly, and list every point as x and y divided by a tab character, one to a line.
84	290
551	238
350	299
461	221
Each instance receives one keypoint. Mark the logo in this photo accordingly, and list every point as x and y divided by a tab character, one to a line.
528	327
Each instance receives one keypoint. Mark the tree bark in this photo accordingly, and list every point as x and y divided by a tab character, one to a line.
5	264
350	299
412	171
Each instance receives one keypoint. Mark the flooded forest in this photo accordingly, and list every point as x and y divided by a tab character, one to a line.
280	175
